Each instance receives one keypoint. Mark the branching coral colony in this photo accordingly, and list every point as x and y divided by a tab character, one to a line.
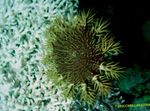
78	58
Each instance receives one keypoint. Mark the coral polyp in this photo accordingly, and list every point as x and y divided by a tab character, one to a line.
81	48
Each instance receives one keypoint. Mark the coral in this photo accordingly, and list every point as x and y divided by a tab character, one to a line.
135	81
80	51
131	79
136	84
107	104
23	86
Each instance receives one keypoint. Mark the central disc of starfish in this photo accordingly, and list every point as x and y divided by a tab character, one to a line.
76	55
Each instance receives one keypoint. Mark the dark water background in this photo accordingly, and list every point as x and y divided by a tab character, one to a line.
129	23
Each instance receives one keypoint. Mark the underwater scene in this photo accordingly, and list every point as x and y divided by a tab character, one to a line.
74	55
